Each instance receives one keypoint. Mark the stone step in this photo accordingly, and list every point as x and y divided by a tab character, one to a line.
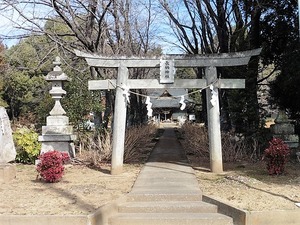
167	189
156	196
167	192
170	219
165	181
168	207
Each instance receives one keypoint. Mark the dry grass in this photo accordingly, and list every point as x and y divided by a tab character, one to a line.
137	142
95	148
195	140
234	148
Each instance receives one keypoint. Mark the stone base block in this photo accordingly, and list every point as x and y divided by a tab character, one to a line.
57	138
291	140
282	128
59	145
57	130
57	121
7	173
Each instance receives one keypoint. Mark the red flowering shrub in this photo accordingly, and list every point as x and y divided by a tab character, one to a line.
51	165
276	156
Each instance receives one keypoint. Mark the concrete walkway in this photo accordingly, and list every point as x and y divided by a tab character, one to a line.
167	191
167	170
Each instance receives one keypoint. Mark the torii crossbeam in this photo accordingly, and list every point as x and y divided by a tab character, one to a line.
209	62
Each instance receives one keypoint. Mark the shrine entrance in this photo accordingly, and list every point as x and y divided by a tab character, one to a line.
167	65
166	105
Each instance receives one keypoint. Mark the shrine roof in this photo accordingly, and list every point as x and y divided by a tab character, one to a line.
167	98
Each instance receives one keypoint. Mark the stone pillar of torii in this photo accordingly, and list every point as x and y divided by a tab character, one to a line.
166	64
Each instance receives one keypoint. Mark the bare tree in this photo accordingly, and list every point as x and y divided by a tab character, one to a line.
220	26
98	26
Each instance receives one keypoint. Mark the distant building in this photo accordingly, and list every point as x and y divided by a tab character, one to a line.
166	104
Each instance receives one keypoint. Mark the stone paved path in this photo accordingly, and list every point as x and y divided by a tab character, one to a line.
167	191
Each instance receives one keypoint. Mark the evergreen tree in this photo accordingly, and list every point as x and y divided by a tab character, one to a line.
281	41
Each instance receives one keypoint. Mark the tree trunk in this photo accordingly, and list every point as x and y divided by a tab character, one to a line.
251	79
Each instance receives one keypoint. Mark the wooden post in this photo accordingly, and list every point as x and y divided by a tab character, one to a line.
213	117
119	122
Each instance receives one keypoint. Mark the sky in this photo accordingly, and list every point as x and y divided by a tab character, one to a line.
7	26
10	20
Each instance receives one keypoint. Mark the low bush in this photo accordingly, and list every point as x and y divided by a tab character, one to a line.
235	147
27	145
95	147
137	140
194	139
51	165
276	156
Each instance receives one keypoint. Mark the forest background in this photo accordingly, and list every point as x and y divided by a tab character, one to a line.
46	29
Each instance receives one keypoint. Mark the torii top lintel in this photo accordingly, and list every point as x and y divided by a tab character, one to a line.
215	60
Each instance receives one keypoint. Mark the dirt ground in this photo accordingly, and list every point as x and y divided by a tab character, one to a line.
82	190
248	185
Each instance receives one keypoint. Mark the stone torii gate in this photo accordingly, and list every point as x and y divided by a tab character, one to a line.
209	62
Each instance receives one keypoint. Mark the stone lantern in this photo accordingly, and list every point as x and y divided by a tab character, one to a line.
285	130
57	134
